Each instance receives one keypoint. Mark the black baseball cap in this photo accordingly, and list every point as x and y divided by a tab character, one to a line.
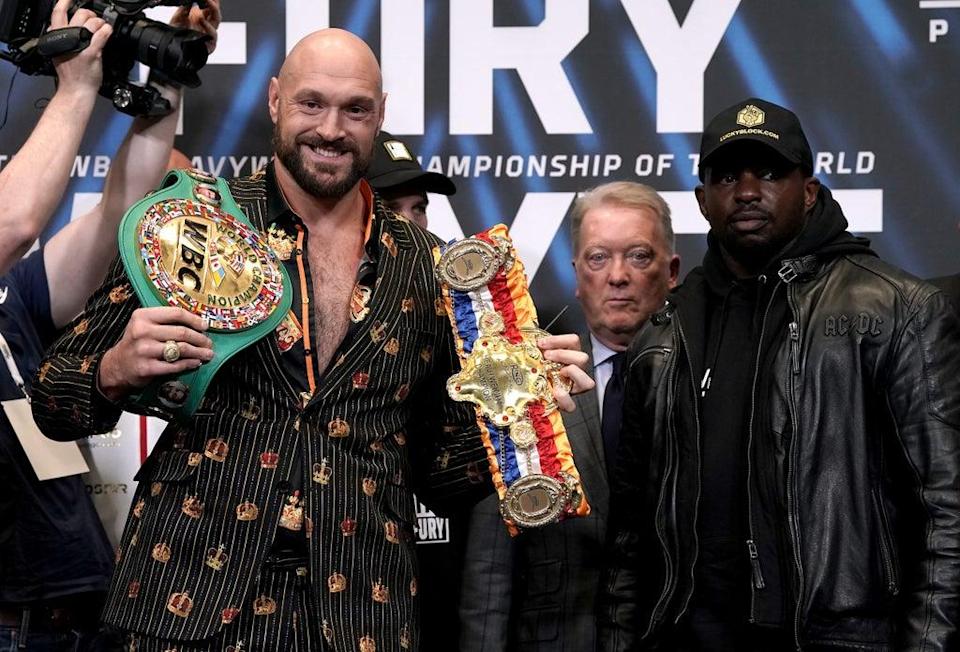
760	121
395	164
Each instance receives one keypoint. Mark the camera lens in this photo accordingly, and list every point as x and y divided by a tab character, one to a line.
177	53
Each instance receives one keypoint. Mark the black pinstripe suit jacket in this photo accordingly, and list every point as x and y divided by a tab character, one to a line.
186	559
537	592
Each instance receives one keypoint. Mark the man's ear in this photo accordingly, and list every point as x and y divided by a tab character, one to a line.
576	287
701	200
674	270
273	98
811	189
383	111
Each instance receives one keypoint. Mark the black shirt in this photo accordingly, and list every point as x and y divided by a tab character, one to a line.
52	543
722	570
739	546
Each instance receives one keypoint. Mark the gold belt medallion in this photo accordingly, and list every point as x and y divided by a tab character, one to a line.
499	377
536	500
201	258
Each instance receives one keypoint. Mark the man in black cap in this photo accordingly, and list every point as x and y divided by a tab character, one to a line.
398	178
789	472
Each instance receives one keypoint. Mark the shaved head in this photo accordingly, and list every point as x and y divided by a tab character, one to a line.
327	106
335	51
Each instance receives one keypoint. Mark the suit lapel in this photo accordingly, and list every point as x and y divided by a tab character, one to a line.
589	407
587	403
583	431
250	194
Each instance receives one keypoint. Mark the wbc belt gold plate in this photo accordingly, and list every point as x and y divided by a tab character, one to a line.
203	259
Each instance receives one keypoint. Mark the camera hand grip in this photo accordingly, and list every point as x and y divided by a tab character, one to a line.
67	40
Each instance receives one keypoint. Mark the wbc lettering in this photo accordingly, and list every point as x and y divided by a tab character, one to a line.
193	244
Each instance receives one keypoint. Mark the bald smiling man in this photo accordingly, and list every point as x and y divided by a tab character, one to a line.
280	515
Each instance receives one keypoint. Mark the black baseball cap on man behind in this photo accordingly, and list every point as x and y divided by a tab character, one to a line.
395	164
760	121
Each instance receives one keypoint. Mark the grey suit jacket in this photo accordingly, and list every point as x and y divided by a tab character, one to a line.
538	590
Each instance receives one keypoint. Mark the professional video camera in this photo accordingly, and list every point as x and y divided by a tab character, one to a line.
174	54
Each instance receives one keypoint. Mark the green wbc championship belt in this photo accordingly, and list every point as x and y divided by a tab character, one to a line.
190	246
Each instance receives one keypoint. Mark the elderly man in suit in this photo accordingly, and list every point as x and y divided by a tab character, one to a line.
279	516
538	591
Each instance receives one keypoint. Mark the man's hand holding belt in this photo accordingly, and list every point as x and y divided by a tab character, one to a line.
143	353
564	350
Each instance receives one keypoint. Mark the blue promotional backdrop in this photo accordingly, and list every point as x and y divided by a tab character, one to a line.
526	102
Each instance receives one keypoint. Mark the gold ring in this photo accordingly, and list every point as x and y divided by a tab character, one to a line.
171	351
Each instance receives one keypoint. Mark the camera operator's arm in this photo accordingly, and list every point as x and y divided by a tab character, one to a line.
77	258
32	183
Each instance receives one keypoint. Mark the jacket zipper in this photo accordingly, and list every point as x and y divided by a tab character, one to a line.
667	590
756	571
793	518
696	503
758	582
886	546
669	580
795	346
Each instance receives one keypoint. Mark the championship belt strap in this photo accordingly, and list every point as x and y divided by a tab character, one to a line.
189	245
505	375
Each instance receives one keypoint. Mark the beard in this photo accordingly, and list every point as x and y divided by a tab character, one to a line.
315	179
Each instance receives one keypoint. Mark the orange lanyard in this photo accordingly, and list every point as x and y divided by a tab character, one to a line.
305	309
305	316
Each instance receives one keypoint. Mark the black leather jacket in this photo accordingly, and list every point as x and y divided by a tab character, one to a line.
861	436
